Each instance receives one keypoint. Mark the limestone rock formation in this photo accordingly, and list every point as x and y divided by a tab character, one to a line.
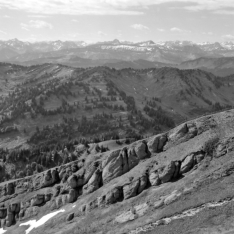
147	177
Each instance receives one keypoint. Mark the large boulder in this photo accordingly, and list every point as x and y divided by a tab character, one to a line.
133	159
176	174
199	157
94	182
72	181
178	132
112	166
89	170
56	191
72	196
15	207
187	164
114	195
141	150
166	173
91	205
50	178
131	189
21	214
154	178
3	223
124	155
48	197
143	183
70	217
3	212
10	219
38	200
10	188
156	143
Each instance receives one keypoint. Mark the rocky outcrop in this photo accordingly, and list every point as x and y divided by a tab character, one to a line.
187	163
112	166
70	217
156	143
166	173
51	177
72	196
180	134
112	196
38	199
130	190
121	161
154	178
94	183
59	186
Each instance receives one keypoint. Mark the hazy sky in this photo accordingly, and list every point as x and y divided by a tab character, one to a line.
132	20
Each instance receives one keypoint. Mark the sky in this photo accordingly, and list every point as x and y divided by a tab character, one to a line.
105	20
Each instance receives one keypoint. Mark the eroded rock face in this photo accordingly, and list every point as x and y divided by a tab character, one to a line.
15	207
121	161
130	190
166	173
187	164
72	196
199	157
31	211
94	182
176	174
157	142
178	132
143	183
73	180
113	195
141	150
37	200
112	166
50	178
3	212
133	160
70	217
154	178
10	218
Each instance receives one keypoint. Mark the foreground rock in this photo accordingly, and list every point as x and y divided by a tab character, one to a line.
149	174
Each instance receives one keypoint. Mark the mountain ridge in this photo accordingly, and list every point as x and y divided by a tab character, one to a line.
173	52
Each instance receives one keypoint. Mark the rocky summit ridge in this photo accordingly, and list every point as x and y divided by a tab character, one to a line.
180	181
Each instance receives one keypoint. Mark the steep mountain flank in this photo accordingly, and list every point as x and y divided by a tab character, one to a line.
218	66
158	184
48	102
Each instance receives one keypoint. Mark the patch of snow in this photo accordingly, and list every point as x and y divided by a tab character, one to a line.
127	47
74	206
2	231
35	224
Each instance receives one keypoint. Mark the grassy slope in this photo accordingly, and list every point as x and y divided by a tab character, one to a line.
210	181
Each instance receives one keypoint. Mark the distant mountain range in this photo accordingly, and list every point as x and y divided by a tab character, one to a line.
214	57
